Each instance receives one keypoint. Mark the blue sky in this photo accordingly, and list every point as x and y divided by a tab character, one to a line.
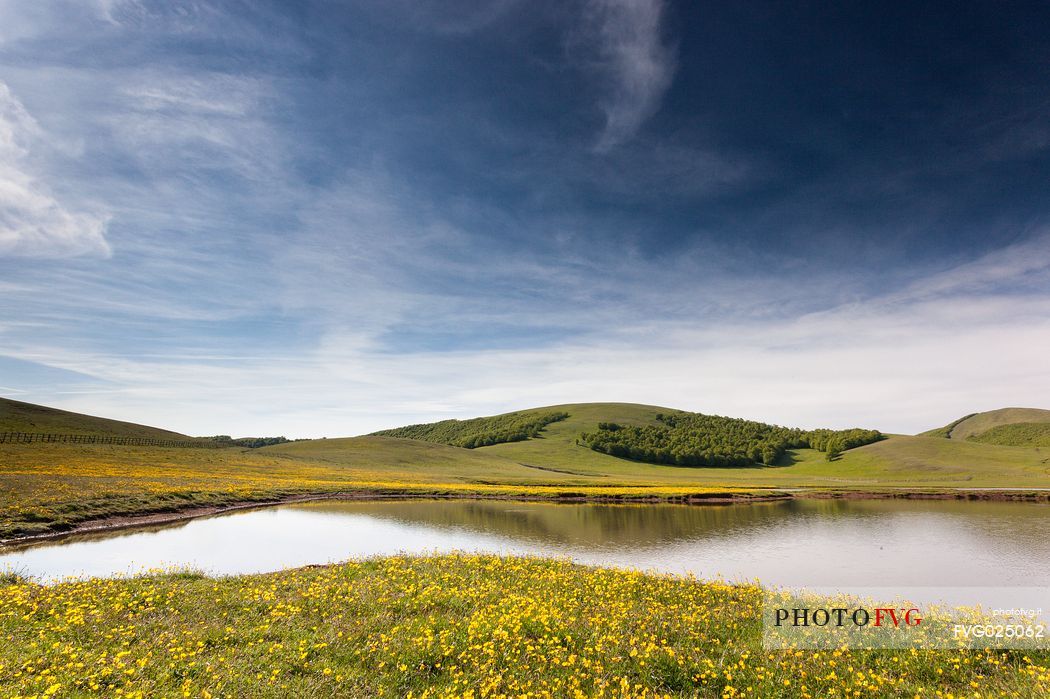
325	218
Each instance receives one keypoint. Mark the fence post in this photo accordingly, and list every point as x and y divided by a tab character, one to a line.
53	437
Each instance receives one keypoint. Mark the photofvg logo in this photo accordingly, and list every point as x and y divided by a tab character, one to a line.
862	619
843	616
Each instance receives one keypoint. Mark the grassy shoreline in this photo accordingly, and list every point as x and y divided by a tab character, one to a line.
449	625
47	489
165	513
453	625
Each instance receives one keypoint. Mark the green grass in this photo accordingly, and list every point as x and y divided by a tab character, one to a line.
443	626
479	431
54	487
946	431
978	423
934	462
428	462
896	462
387	627
1018	434
16	416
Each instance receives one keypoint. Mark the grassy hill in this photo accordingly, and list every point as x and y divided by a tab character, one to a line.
586	620
480	431
411	459
946	431
977	424
1017	434
16	416
897	462
53	487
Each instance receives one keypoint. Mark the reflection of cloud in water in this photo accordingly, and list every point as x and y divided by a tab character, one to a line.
793	543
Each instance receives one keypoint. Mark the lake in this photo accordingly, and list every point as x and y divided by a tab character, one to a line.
816	544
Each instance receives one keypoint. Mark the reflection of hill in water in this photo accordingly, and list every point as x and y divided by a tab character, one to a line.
647	525
1003	527
598	523
78	537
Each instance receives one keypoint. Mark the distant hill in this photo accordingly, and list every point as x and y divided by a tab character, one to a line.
645	433
480	431
557	456
410	458
1004	427
945	431
16	416
695	439
1017	434
898	460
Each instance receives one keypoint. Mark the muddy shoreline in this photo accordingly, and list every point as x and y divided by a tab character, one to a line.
162	517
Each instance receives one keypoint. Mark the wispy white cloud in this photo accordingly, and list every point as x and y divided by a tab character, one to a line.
21	21
177	124
33	222
294	240
1024	262
173	15
885	378
219	94
633	60
450	18
896	361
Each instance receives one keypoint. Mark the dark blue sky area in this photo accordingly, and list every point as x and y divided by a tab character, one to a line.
452	208
873	129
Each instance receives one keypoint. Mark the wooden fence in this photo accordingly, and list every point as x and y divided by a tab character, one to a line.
30	437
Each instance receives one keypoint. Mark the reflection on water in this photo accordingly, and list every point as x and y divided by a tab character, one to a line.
832	543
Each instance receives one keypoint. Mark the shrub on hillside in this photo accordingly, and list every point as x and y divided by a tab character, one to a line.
480	431
694	439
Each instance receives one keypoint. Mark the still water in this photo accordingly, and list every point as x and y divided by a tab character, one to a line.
800	543
968	553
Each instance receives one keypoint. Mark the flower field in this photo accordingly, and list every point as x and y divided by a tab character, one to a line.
53	487
452	625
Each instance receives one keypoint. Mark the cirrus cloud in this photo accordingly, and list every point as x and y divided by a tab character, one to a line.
638	66
33	222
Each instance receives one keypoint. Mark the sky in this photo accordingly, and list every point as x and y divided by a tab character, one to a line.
326	218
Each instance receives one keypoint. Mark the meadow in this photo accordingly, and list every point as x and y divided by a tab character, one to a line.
976	424
900	463
452	625
53	488
1035	434
48	488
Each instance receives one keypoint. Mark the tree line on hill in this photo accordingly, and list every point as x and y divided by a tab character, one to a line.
480	431
694	439
249	442
946	431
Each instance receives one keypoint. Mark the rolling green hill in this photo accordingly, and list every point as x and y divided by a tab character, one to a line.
945	431
480	431
53	487
695	439
1017	434
977	424
898	462
415	459
16	416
